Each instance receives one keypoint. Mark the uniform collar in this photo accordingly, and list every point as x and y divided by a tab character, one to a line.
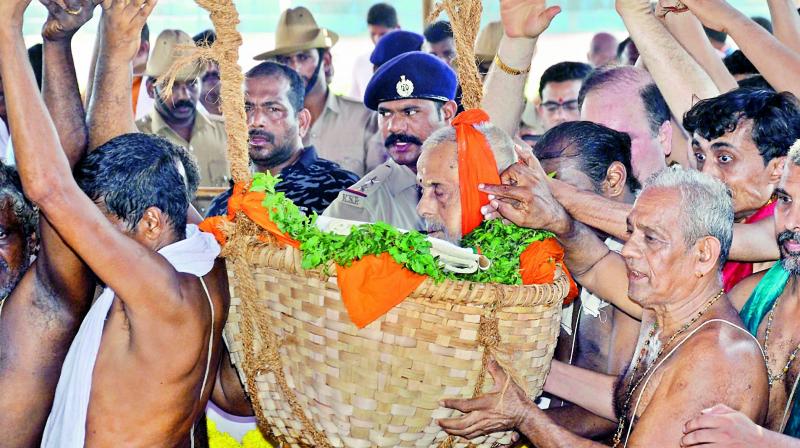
332	102
402	177
158	124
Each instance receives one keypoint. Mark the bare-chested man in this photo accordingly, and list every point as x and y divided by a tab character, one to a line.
142	365
769	306
42	302
592	157
691	351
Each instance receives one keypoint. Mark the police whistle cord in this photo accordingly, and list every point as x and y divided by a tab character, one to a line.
465	20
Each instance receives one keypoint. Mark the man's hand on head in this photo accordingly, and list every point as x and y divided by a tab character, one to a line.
64	20
714	14
123	21
524	197
526	18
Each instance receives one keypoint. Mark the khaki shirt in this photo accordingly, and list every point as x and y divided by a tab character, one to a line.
208	144
388	193
347	133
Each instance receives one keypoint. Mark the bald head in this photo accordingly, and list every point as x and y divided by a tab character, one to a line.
603	49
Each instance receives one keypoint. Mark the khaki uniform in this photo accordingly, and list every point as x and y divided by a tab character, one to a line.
208	144
388	193
348	134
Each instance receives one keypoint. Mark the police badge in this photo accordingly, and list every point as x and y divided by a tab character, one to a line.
405	87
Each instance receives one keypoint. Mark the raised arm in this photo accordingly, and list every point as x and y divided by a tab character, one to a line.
60	82
523	22
111	105
677	75
47	180
775	61
689	32
58	268
785	22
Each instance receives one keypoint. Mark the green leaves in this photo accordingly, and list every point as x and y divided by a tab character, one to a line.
501	243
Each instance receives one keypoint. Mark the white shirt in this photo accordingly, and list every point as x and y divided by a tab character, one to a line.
362	73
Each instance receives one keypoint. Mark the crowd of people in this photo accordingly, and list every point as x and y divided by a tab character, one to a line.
664	164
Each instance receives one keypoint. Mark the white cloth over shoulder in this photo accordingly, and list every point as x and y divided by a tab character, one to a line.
66	425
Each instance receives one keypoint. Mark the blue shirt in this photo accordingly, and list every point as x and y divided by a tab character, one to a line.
312	183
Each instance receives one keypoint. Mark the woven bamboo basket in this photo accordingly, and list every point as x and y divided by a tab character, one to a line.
378	386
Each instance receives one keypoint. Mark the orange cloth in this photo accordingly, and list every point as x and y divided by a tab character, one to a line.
137	85
370	287
476	165
374	285
248	202
537	265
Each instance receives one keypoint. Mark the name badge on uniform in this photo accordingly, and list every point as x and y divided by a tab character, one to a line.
353	197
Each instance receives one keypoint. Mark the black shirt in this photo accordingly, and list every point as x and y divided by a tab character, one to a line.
312	183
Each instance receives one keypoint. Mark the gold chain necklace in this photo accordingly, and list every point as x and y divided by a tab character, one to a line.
772	379
632	386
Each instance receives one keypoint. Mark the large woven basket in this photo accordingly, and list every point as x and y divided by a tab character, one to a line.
317	380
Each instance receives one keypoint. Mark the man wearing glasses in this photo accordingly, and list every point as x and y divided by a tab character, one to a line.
558	89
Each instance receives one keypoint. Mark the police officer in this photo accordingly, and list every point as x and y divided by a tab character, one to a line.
395	43
177	118
413	94
342	129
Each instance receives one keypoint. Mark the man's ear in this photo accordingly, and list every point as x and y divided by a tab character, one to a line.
303	122
449	110
775	169
150	84
616	178
665	137
707	251
153	223
327	65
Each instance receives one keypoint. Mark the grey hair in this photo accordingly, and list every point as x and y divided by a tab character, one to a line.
502	145
706	205
794	153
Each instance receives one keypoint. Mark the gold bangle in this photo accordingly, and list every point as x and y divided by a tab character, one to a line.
510	70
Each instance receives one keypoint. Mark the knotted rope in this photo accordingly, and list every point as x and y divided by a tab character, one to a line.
465	20
225	51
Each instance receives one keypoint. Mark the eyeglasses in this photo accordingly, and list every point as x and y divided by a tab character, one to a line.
568	106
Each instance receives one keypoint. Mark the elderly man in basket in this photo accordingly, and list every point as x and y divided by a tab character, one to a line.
692	351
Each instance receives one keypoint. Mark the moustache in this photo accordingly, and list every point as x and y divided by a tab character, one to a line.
183	103
268	136
401	138
787	235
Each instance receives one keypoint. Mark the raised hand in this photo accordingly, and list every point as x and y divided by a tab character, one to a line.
503	408
715	14
525	198
123	21
65	18
526	18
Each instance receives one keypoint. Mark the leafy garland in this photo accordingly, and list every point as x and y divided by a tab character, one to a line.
499	242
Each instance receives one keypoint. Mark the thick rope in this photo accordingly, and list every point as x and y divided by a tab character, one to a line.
226	52
465	20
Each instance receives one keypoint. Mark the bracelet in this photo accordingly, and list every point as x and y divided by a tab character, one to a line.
510	70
